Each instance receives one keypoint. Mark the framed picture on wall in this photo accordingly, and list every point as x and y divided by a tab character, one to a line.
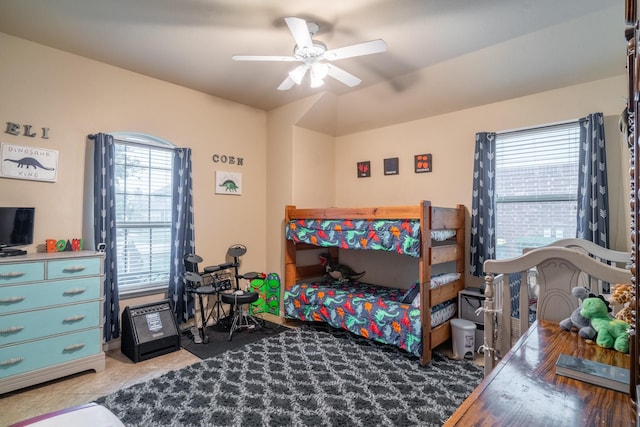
422	163
364	169
229	183
31	163
391	166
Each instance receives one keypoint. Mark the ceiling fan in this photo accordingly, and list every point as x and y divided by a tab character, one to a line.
314	54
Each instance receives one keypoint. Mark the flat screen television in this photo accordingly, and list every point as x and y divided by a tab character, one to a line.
16	226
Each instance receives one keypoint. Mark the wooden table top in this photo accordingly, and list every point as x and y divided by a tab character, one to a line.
524	390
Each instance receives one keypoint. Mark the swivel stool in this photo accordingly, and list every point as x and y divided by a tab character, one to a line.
240	299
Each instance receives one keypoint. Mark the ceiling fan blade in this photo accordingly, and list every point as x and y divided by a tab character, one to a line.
300	31
263	58
366	48
343	76
286	84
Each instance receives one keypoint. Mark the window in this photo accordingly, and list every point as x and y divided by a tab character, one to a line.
143	175
536	185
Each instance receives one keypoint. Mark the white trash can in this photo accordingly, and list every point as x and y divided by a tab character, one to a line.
463	337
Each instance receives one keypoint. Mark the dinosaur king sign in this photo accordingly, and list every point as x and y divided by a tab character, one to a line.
32	163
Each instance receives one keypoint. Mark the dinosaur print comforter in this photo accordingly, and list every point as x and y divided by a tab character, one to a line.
401	236
374	312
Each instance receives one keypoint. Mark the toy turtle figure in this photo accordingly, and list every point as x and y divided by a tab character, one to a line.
612	333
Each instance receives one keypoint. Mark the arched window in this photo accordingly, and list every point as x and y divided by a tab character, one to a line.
143	173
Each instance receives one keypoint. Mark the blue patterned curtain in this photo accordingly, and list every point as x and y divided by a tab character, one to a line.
593	199
104	229
483	221
182	236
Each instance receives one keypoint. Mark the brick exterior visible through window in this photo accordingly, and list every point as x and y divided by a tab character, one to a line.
536	187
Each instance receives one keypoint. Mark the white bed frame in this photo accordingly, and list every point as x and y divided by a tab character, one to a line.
609	256
619	258
557	270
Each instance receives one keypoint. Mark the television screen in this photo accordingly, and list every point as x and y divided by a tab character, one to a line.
16	226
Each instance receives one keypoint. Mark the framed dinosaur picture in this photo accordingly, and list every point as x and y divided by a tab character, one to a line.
229	183
32	163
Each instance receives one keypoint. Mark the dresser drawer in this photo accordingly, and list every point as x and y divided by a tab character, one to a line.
21	272
38	295
17	359
52	321
73	268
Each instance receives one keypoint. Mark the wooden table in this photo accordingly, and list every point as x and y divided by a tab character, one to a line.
524	390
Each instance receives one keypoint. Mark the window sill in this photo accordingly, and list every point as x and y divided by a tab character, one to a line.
136	293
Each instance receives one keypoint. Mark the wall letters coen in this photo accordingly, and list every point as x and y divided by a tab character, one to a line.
223	158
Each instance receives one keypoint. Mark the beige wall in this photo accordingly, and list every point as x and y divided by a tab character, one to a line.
313	182
450	139
74	97
281	174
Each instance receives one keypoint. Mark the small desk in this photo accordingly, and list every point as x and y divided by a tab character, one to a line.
524	390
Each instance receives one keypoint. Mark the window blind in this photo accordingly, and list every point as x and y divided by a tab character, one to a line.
536	187
143	214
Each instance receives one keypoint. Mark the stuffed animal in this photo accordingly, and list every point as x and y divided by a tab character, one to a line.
612	333
576	320
338	271
623	295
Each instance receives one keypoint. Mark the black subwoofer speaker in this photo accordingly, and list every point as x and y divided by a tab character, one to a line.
149	330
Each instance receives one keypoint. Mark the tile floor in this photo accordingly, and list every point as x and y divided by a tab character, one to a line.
85	387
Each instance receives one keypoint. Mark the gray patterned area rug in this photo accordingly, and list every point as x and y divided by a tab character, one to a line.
307	376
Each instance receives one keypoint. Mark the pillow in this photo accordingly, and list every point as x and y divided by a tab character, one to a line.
416	302
443	279
442	235
411	293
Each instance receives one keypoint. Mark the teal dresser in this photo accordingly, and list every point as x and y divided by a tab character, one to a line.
50	317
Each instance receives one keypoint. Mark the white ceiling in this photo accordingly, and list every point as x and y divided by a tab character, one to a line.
443	55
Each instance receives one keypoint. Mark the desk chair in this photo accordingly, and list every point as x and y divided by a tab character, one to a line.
209	282
240	299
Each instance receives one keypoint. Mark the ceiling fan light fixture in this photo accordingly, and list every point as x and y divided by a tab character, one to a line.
318	73
297	74
316	82
320	70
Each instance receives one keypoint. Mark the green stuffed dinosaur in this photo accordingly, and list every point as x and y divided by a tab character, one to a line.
612	333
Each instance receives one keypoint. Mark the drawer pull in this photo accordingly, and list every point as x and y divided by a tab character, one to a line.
74	291
11	300
74	269
11	329
74	347
12	361
74	318
12	274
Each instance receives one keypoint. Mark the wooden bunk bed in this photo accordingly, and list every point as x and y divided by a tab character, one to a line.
430	221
